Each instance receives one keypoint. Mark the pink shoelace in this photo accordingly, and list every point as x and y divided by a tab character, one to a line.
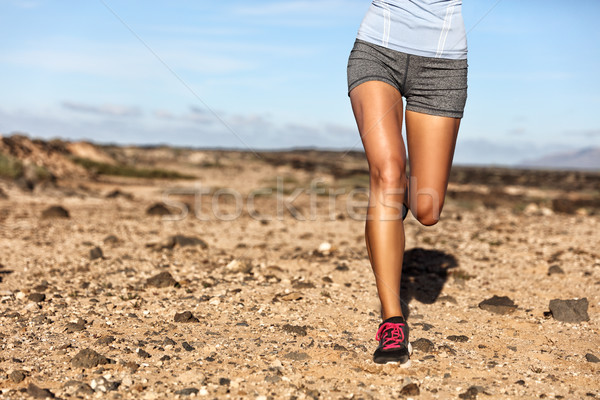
392	334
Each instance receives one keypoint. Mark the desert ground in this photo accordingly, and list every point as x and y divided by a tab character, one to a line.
151	273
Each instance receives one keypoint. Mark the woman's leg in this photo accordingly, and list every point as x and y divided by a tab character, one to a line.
378	111
431	141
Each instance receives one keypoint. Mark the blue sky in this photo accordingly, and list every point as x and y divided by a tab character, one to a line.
272	74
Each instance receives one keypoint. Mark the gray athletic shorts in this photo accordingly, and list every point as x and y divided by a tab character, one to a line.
436	86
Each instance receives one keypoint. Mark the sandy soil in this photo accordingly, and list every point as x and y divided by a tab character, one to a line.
284	306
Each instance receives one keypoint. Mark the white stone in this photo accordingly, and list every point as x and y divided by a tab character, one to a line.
325	247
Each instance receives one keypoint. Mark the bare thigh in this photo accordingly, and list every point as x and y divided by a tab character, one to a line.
431	142
378	111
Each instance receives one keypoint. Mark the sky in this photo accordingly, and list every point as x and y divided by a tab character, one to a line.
261	74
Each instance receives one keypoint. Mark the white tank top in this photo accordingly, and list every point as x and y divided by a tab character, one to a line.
430	28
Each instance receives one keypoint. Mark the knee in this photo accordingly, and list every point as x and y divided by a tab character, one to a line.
390	175
427	211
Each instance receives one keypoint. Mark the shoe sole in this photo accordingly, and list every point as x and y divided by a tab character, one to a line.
406	364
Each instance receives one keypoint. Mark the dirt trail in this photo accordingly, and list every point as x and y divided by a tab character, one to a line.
284	308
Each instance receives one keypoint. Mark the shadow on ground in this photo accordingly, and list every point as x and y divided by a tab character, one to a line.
424	273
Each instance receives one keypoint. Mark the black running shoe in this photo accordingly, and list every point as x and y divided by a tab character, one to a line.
394	346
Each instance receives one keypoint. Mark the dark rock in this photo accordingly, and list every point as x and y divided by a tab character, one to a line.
158	209
295	329
40	320
78	326
224	381
470	394
17	376
165	358
143	353
162	280
79	388
424	345
111	239
88	358
169	341
339	347
96	253
182	241
520	382
187	347
36	297
133	366
555	269
573	311
105	340
117	193
272	378
187	391
55	212
412	389
592	358
447	349
297	356
342	267
39	393
459	338
499	305
425	326
185	316
303	285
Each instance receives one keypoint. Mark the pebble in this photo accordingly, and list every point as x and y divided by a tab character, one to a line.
79	388
105	340
143	353
158	209
161	280
187	391
36	297
187	347
412	389
238	266
78	326
592	358
55	212
38	392
96	253
459	338
499	305
111	239
17	376
88	358
182	241
295	329
186	317
224	381
292	296
573	311
555	269
297	356
470	394
424	345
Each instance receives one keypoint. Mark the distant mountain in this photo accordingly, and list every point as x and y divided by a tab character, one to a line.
587	158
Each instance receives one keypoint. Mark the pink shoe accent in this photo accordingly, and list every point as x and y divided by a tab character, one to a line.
392	334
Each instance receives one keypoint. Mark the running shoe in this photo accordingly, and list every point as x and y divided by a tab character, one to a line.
394	346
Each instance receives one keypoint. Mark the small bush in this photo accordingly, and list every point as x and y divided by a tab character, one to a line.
10	167
128	170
